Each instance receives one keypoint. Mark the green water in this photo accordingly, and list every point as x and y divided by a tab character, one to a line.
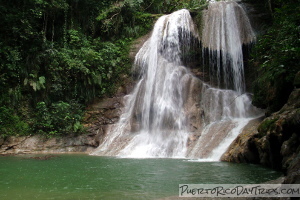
70	177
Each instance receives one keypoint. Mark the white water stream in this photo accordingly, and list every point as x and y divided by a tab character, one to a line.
226	29
156	117
154	122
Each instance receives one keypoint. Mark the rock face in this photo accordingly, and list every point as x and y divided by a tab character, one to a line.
293	172
101	115
42	144
275	143
136	45
242	150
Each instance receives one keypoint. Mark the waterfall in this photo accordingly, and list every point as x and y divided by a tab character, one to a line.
170	112
154	121
226	29
225	111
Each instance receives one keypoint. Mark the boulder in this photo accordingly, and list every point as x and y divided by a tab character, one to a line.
293	172
242	149
275	143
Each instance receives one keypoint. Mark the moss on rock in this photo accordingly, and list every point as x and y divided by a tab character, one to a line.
275	142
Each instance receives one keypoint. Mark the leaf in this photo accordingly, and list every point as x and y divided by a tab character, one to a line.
33	84
42	80
25	81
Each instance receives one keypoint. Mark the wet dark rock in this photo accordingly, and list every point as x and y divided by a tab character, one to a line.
192	106
275	143
242	149
293	172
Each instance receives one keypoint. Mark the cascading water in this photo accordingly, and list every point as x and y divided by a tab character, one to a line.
160	114
225	112
154	121
226	29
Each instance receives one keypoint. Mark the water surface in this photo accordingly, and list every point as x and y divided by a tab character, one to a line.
70	177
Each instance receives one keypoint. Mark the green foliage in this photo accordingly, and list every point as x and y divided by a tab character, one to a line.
277	56
34	82
61	58
125	19
168	6
11	124
132	18
53	53
85	71
59	118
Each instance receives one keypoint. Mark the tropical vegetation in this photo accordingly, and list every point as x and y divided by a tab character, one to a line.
56	56
276	55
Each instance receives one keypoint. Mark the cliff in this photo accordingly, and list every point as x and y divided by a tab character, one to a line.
274	142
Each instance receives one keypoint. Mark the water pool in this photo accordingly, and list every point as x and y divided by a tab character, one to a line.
76	176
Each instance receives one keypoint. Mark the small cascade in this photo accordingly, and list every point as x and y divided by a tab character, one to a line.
225	111
154	123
